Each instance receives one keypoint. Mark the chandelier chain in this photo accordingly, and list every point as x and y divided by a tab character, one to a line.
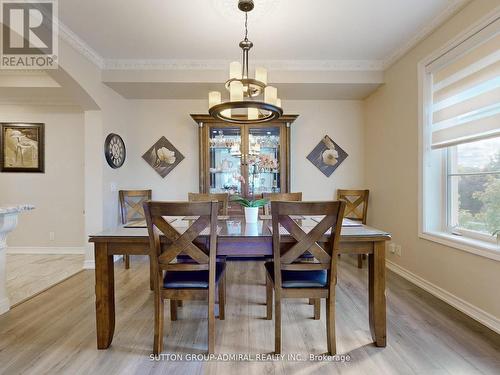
246	25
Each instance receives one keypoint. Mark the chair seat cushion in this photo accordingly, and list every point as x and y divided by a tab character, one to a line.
191	279
299	279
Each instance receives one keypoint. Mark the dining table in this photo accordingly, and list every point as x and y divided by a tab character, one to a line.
236	238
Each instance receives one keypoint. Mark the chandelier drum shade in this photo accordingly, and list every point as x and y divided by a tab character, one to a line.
251	100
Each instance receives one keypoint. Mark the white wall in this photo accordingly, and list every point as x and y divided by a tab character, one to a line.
151	119
58	194
392	176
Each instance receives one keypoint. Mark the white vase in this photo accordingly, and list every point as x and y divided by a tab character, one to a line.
251	229
251	214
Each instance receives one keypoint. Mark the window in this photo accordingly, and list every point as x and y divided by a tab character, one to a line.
460	140
473	188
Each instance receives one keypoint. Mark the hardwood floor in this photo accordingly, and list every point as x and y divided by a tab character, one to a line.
30	274
54	333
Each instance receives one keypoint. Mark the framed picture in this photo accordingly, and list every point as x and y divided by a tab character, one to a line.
163	157
22	147
327	156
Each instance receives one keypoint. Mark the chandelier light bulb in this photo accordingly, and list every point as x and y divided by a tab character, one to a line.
261	75
253	113
236	91
214	98
235	70
270	95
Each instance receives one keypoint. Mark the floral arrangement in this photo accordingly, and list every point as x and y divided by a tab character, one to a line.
239	178
264	162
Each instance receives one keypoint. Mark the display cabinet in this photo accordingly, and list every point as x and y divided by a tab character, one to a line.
247	160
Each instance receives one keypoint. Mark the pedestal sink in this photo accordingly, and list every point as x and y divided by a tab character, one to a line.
8	221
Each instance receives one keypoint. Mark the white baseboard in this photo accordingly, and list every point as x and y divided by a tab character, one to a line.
474	312
89	264
4	305
45	250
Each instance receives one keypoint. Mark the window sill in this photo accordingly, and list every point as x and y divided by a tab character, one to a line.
477	247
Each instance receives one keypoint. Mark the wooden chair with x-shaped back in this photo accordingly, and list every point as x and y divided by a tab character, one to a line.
131	209
190	280
222	198
356	209
287	197
288	276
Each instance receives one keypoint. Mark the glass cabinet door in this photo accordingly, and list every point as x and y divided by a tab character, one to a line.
263	160
225	160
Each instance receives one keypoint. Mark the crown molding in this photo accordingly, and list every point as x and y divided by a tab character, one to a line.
80	45
451	9
277	65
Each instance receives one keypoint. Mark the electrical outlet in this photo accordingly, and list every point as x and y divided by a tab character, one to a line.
112	187
392	248
52	236
398	250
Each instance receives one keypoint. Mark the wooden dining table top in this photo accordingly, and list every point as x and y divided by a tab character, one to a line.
235	226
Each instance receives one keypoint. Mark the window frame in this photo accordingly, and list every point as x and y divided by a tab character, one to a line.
433	185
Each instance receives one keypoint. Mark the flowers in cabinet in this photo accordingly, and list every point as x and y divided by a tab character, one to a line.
264	162
239	178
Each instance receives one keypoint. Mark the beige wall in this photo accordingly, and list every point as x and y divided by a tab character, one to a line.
392	175
341	120
58	194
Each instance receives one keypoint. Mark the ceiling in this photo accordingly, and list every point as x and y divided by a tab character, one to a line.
289	30
179	49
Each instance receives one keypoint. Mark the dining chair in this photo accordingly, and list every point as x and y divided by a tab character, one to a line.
289	197
131	209
288	276
190	280
222	198
356	209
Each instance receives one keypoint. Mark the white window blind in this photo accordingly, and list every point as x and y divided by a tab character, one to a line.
466	90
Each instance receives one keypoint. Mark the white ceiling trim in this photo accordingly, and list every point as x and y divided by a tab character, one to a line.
276	65
451	9
286	65
80	45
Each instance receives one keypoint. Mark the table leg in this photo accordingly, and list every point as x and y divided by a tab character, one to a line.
105	295
376	293
151	275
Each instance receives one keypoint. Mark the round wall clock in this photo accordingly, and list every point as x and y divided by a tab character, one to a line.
114	150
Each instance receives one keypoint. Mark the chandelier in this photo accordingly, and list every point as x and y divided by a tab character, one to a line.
251	100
